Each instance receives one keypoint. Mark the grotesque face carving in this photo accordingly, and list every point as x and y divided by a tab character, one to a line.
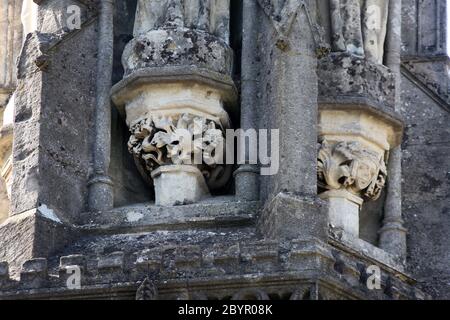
351	166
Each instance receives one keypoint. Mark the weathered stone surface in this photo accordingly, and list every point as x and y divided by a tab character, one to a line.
250	276
61	17
216	212
39	162
348	76
4	271
356	27
289	216
208	16
426	186
178	185
177	47
184	56
32	234
287	88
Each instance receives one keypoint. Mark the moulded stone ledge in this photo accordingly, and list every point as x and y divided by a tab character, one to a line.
285	265
179	77
213	212
362	248
355	117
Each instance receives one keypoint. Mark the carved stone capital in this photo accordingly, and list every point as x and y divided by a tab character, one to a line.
351	166
179	139
355	142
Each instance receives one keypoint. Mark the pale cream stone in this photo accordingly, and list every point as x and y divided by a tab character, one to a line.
176	98
343	212
359	125
29	17
178	185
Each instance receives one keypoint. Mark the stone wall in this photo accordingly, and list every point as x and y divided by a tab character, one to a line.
426	186
426	147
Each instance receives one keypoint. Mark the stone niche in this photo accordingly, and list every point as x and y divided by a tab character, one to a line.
358	127
178	88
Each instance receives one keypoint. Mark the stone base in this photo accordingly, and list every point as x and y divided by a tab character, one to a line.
32	234
179	185
288	216
230	265
343	210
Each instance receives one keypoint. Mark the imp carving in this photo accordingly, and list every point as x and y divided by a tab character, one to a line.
353	167
184	139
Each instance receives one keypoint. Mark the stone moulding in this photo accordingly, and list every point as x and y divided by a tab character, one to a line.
269	269
137	81
211	213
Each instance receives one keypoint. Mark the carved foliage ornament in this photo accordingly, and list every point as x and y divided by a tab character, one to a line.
351	166
180	140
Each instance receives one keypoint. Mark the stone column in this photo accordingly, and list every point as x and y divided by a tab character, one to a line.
358	128
247	175
100	183
11	42
393	232
10	46
288	90
175	94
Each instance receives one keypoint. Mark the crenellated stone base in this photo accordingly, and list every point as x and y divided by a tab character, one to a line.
231	264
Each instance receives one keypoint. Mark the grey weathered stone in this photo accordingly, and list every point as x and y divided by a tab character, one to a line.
4	271
257	237
113	261
343	74
100	185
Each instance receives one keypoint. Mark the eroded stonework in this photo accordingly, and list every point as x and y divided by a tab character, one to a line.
351	166
358	27
105	178
186	140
